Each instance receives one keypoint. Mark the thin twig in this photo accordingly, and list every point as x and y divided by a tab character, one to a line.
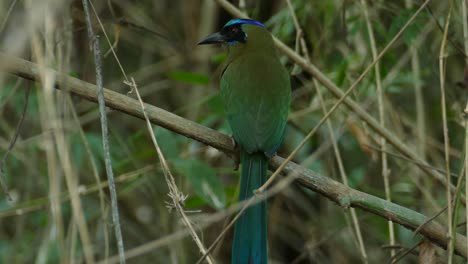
7	98
416	231
442	70
45	202
344	177
13	142
418	94
466	166
108	41
94	170
5	19
403	60
56	145
299	32
399	156
300	39
465	42
381	106
174	193
457	202
176	196
394	259
449	38
105	138
249	203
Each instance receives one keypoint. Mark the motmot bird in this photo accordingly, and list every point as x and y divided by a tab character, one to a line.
256	93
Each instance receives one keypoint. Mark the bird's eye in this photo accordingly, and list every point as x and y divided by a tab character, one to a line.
234	30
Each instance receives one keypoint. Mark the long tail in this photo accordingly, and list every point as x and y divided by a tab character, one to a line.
250	231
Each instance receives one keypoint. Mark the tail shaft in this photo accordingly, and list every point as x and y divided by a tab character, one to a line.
250	231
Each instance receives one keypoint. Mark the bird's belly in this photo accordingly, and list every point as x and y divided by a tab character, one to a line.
257	118
256	92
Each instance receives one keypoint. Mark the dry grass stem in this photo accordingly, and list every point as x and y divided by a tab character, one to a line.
465	112
176	196
442	71
381	107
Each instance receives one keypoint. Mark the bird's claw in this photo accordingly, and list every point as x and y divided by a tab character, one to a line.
236	155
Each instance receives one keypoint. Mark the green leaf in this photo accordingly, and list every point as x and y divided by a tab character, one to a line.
341	72
80	155
194	202
168	142
189	77
356	177
413	29
204	181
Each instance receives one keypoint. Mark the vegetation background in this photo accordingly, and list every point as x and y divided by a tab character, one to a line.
155	42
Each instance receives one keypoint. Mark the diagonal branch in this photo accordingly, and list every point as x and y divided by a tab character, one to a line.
334	191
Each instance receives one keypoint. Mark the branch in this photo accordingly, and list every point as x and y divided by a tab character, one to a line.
334	191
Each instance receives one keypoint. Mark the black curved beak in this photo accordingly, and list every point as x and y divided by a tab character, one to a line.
212	39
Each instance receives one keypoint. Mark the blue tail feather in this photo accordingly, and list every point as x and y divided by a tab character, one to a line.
250	231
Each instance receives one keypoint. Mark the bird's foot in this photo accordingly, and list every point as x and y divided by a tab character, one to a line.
270	155
236	155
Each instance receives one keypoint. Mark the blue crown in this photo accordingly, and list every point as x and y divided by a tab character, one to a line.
243	21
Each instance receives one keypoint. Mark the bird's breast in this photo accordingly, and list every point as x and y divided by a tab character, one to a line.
256	91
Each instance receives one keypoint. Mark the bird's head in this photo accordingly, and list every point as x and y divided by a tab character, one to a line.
236	32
